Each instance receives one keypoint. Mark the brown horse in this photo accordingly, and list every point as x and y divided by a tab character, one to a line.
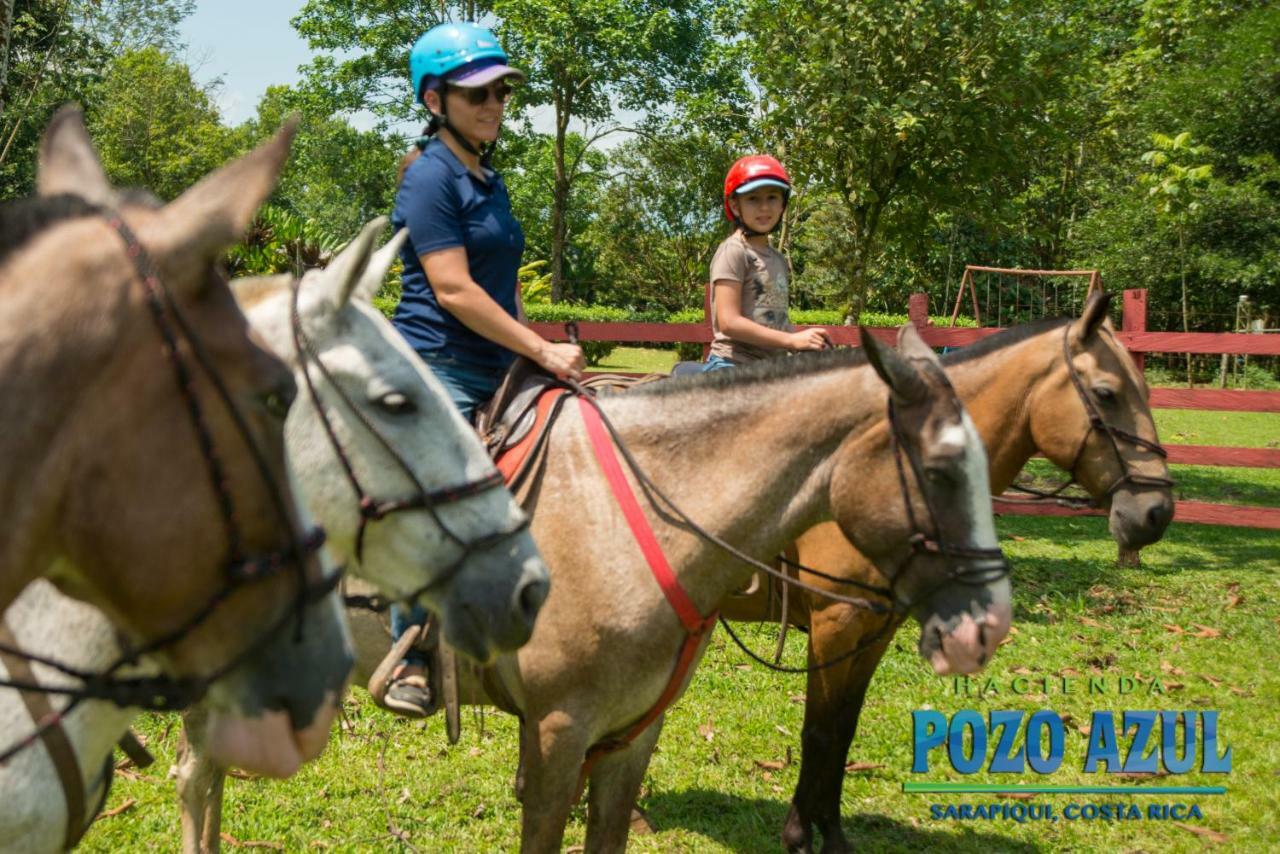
141	450
1019	387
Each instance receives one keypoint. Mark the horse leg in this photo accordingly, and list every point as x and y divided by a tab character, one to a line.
615	785
199	783
835	697
551	751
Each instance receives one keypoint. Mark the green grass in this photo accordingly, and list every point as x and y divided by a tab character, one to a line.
1074	611
638	360
1231	429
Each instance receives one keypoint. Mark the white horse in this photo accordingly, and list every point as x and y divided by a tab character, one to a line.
467	556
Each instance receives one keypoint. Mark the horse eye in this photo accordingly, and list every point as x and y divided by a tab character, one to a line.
395	403
1104	394
938	476
278	401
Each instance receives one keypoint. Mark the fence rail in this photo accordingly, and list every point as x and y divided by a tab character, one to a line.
1134	336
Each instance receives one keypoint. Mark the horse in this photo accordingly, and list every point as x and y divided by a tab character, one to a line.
370	408
609	651
141	450
1064	388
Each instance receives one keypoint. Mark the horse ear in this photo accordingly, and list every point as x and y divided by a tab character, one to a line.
912	346
67	162
379	263
900	376
1095	311
214	214
345	272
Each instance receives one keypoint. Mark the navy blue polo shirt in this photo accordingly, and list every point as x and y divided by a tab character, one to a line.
444	206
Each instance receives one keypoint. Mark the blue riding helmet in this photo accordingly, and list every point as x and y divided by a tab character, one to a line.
465	54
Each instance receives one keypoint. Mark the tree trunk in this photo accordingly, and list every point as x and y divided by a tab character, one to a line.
6	30
559	202
1182	269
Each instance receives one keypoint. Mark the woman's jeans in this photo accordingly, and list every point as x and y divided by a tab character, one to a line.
469	388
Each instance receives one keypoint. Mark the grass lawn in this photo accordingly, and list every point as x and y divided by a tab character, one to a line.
1077	615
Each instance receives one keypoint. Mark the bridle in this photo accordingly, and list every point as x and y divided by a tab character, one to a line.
1114	436
371	509
991	565
170	693
971	565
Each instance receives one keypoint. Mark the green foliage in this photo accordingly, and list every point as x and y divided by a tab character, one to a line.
535	285
656	224
898	107
281	242
154	126
133	24
51	62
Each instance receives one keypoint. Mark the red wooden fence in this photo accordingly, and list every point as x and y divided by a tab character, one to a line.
1133	335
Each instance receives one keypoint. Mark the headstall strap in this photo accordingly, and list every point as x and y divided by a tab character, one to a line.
164	693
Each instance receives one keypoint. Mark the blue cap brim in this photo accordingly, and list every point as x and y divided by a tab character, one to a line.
761	183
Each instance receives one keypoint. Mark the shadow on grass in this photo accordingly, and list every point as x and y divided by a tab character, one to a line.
755	824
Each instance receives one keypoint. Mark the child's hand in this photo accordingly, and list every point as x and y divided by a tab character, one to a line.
809	339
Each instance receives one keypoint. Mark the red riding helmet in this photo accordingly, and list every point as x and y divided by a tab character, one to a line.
752	173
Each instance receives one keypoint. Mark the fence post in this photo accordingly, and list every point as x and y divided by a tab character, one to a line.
918	311
1134	319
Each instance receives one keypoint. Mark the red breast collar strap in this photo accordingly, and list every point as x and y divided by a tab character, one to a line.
696	626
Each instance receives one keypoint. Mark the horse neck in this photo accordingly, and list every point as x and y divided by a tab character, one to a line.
998	390
750	463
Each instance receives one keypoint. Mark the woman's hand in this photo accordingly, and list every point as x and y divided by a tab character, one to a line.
563	360
808	339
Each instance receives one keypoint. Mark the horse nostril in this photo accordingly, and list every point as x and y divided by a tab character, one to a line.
529	599
1158	515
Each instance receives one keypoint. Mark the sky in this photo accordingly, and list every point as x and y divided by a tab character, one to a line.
250	45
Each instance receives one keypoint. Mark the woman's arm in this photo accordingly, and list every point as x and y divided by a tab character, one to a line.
458	294
732	322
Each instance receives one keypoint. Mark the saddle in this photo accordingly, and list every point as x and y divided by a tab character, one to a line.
515	424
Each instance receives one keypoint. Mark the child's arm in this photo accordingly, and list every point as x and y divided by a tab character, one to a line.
730	320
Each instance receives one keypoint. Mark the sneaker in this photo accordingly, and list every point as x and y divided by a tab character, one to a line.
410	696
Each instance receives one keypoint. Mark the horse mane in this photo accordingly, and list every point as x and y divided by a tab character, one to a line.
22	219
760	371
1002	339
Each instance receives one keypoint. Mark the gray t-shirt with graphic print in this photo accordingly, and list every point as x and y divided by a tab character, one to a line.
764	275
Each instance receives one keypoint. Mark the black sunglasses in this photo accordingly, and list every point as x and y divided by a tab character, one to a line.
478	95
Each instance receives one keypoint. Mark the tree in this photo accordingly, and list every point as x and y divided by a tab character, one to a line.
585	59
337	178
366	64
122	25
50	62
155	126
898	107
1172	188
658	220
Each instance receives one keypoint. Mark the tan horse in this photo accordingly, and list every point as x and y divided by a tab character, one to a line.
756	456
152	482
1017	385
